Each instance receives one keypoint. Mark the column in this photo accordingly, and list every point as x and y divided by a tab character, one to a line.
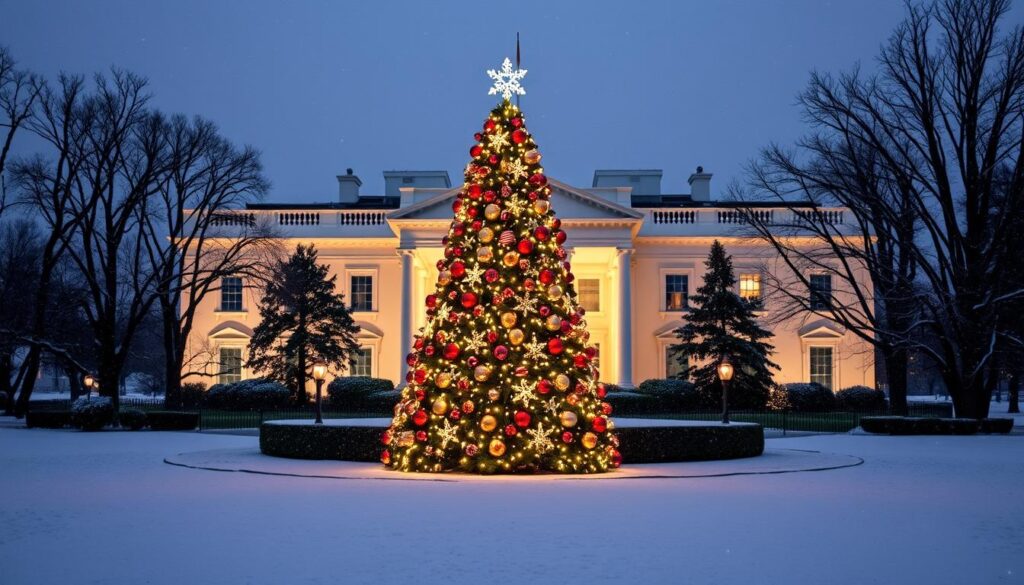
407	309
625	317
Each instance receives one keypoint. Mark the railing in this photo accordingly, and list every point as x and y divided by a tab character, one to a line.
230	218
829	216
361	218
298	218
671	216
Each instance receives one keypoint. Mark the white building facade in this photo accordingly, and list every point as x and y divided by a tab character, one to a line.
637	255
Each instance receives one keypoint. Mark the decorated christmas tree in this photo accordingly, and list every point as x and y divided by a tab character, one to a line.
502	379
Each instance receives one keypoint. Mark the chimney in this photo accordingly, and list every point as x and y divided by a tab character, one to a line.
348	187
700	185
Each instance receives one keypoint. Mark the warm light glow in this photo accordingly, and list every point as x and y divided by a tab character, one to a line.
88	381
319	371
725	370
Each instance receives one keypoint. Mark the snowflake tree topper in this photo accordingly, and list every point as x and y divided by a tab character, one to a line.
506	81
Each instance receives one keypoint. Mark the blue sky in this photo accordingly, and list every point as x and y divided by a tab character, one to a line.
321	86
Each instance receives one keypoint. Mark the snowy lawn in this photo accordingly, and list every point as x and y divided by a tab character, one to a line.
104	508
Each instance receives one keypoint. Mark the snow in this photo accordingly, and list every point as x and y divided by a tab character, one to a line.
105	508
622	423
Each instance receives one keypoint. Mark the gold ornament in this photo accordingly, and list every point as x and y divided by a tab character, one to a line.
481	373
485	254
468	406
516	336
488	423
443	380
555	291
492	211
554	323
493	394
541	206
444	278
508	319
511	259
439	407
589	440
568	418
496	448
562	382
486	234
532	156
406	438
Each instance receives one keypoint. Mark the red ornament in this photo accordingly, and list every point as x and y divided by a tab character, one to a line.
472	361
525	246
544	387
472	450
462	384
386	437
429	350
507	238
529	284
516	122
478	311
472	212
541	233
599	424
475	191
511	430
555	346
420	394
491	275
456	205
493	159
411	359
500	352
508	293
385	457
476	225
518	136
420	418
492	336
451	351
478	137
476	151
580	361
421	436
505	216
560	237
556	223
591	351
521	371
431	301
538	180
567	437
458	269
490	125
606	408
455	414
601	392
469	300
616	458
544	310
420	376
522	419
547	276
489	196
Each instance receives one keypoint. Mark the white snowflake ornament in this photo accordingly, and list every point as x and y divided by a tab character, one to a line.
506	81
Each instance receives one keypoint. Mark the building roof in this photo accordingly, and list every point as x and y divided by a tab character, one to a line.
364	202
686	201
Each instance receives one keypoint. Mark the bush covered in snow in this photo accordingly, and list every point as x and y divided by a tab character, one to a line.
132	419
92	414
861	399
677	394
362	394
805	397
255	394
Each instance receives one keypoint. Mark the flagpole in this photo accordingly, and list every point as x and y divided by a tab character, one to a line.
517	63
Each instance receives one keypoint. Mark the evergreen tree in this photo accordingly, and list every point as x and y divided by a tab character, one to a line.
502	378
723	324
302	321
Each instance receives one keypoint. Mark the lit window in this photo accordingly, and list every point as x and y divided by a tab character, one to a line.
821	292
750	288
676	291
230	365
231	294
589	291
361	293
363	365
821	366
674	367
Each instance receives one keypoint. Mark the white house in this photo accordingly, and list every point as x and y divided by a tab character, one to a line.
637	254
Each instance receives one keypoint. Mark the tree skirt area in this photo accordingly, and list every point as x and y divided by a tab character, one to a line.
105	508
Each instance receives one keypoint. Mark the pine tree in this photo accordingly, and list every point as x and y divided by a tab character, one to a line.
723	324
302	320
502	378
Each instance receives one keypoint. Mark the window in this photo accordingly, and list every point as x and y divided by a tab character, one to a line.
361	292
363	365
230	365
821	366
589	290
821	292
750	288
673	369
676	291
231	294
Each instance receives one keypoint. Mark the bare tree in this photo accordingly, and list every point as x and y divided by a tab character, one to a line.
195	235
939	121
19	91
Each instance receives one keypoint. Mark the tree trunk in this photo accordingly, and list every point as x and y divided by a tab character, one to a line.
1013	389
896	362
300	378
6	370
173	358
28	381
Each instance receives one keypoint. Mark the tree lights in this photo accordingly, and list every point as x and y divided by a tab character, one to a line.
501	378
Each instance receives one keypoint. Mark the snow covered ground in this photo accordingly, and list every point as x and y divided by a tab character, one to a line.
104	508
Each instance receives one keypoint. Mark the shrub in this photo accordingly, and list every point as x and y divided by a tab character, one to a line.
47	419
899	425
708	442
812	397
92	414
611	388
255	394
307	441
861	399
678	395
635	404
996	425
132	419
192	394
362	394
167	420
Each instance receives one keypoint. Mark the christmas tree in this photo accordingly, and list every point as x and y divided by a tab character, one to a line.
502	379
724	325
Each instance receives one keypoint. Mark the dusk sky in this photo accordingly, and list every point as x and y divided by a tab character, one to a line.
321	86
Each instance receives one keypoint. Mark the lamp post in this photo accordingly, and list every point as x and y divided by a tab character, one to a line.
319	373
89	381
725	372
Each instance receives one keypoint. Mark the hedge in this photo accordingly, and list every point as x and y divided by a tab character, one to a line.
167	420
677	394
861	399
636	404
804	397
132	419
47	419
254	394
899	425
1000	426
308	441
363	395
92	414
690	443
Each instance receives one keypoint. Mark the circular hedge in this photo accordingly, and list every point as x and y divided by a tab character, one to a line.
641	441
899	425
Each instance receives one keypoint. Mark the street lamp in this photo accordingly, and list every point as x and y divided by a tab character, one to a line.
89	381
319	373
725	372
